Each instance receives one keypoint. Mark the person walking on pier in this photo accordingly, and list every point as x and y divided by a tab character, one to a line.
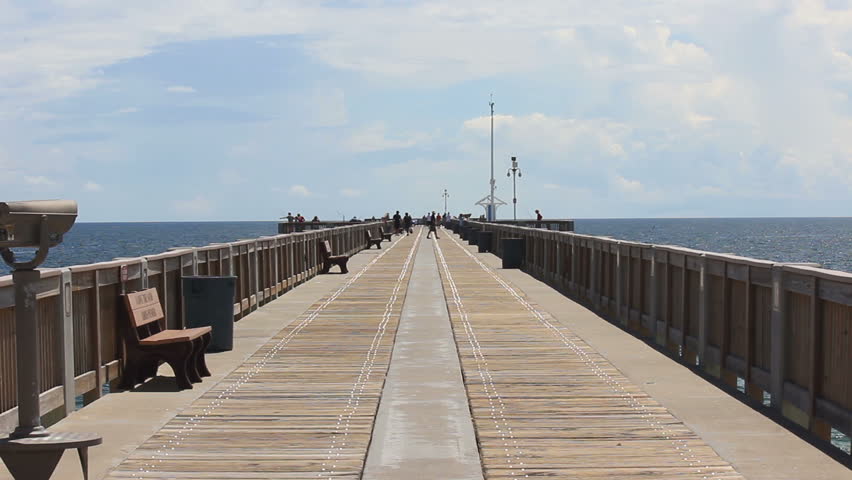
397	222
406	223
432	227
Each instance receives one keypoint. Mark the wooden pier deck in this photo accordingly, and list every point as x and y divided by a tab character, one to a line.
543	402
303	406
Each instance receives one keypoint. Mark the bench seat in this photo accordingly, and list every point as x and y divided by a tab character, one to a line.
175	336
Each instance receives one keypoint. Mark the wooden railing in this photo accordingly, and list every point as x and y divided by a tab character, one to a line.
783	329
560	225
80	347
294	227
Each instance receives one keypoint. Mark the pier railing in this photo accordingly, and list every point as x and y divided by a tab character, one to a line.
557	224
783	329
80	346
294	227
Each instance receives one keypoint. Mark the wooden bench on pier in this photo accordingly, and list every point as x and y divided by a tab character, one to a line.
373	241
387	234
148	343
329	258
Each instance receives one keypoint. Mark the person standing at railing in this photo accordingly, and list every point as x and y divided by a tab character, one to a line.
538	215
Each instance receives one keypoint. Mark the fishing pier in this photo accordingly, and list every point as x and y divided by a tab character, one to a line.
596	359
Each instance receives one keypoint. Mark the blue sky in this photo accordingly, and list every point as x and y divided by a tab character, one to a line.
237	110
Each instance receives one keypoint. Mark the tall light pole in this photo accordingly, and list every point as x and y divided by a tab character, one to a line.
512	172
492	214
446	196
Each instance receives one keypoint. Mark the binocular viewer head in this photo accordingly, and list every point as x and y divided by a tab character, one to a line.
21	223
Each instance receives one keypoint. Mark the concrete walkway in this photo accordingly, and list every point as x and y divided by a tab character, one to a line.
423	429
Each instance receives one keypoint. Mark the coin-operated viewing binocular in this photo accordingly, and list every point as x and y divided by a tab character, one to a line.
34	224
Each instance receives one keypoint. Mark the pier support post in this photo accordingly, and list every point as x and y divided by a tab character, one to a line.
258	289
594	260
653	305
65	341
777	338
143	273
276	279
619	281
703	307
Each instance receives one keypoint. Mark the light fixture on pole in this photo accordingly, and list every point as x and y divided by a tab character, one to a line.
446	196
491	202
514	170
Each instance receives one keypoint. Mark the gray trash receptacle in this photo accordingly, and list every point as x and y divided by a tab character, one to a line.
209	302
484	242
513	252
473	236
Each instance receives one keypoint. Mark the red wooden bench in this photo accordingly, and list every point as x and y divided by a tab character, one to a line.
373	241
148	343
329	258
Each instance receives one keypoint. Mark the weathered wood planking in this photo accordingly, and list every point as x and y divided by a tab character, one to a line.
303	406
546	404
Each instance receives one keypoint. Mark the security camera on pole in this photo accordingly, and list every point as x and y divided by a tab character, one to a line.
512	172
446	196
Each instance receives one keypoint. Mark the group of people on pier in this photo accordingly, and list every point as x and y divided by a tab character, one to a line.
405	223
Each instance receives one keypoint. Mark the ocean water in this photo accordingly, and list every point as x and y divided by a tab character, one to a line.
99	242
827	241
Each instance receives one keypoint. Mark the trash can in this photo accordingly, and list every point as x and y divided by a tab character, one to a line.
209	302
484	241
513	252
473	236
463	232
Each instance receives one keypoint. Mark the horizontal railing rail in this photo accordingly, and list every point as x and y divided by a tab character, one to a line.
80	347
294	227
783	329
558	224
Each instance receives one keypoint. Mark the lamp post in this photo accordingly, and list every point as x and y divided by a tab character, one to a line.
514	170
446	196
492	214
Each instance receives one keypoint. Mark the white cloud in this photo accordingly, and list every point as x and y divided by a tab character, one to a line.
627	185
180	89
374	138
350	192
300	191
39	180
547	135
91	186
199	206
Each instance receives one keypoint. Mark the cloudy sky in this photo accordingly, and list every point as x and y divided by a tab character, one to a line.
244	110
